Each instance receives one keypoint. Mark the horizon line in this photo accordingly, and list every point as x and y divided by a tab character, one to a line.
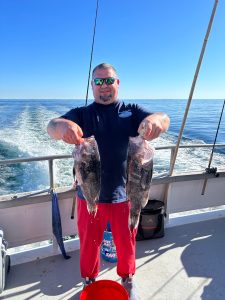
83	99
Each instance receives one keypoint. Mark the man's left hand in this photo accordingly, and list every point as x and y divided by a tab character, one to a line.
151	127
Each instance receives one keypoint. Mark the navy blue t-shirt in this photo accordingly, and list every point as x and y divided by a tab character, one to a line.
111	125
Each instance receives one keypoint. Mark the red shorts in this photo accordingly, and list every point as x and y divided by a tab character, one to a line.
91	229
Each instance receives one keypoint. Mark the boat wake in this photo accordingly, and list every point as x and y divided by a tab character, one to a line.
23	134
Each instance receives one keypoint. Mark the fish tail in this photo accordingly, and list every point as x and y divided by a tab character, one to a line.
134	219
92	209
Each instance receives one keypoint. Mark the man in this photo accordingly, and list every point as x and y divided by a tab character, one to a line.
112	122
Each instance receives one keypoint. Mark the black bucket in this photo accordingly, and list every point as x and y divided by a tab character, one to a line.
151	223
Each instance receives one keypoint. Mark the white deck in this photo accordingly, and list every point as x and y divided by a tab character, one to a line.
188	263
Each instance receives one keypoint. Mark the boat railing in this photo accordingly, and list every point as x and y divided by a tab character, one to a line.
51	158
30	213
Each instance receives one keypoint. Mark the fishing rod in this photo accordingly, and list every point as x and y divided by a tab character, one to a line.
92	49
210	170
190	98
88	83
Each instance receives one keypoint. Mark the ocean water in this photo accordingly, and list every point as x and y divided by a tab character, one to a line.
23	134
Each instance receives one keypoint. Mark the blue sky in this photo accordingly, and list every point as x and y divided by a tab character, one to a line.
155	46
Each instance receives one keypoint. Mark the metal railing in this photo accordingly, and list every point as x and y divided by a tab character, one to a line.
51	158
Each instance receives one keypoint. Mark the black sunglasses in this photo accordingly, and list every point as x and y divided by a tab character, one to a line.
108	80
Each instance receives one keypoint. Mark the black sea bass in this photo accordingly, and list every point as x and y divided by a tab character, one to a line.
139	176
87	170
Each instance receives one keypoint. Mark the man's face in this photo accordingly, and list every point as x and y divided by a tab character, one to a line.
105	94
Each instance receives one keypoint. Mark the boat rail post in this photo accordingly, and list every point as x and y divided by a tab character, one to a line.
51	181
172	153
51	176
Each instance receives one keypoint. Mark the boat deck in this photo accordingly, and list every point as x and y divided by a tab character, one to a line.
187	263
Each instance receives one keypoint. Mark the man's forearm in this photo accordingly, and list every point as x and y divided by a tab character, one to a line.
66	130
55	128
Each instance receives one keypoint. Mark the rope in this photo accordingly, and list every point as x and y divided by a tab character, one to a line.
92	48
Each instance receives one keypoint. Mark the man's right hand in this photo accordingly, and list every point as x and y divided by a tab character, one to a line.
72	133
66	130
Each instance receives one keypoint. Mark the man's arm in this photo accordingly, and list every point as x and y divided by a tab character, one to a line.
153	125
66	130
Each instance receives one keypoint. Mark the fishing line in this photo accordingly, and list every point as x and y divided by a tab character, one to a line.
92	49
210	170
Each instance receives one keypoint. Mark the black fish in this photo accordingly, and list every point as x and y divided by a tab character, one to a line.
87	170
139	176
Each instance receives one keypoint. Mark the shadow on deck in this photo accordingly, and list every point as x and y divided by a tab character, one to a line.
188	263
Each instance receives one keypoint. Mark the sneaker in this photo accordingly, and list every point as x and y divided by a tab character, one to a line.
87	281
130	287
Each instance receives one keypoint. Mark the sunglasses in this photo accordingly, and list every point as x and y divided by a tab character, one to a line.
108	81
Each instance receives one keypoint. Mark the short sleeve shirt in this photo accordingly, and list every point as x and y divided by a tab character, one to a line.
111	125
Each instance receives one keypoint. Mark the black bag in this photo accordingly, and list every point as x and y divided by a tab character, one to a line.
151	223
4	261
